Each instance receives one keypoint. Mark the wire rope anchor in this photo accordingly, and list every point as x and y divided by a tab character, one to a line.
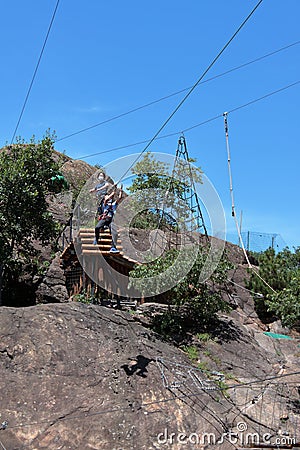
3	425
181	139
225	115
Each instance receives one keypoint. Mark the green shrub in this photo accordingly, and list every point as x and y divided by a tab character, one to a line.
192	352
282	273
193	305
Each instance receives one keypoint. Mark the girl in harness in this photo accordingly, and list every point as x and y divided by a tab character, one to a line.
101	187
106	211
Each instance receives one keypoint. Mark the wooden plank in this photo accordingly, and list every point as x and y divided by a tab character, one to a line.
87	236
97	251
107	253
104	246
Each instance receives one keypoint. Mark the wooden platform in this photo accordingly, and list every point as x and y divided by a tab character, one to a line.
86	238
90	268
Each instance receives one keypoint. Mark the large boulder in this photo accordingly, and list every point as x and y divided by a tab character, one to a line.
74	376
53	288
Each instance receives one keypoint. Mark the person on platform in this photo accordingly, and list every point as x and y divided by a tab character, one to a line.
101	187
106	211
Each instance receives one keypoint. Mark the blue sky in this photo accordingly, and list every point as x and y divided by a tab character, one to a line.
103	59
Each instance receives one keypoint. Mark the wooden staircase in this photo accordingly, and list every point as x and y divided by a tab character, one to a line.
86	238
91	267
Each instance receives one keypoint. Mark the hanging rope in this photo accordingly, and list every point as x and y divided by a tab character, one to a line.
233	212
225	114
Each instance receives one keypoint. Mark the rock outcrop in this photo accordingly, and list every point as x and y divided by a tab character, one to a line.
74	376
53	288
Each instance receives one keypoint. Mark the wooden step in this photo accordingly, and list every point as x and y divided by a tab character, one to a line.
86	238
107	253
102	246
88	232
105	241
92	235
91	231
96	252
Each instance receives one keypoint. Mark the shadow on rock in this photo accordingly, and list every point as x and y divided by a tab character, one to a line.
138	365
226	331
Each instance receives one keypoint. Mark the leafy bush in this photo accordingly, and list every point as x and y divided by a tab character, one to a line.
26	169
192	352
84	297
158	190
282	273
204	337
193	305
286	303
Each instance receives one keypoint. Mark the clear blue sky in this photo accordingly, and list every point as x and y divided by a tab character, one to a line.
105	58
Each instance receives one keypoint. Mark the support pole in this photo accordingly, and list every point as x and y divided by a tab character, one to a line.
240	234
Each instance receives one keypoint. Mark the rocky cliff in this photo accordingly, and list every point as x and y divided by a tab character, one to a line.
74	376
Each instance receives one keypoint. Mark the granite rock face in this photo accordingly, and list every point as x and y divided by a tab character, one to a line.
53	288
74	376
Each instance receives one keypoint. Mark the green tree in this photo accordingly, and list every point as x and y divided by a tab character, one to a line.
193	305
149	174
26	169
158	189
286	303
282	273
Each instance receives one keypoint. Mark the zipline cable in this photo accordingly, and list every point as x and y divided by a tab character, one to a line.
258	294
176	133
192	88
233	212
35	72
138	108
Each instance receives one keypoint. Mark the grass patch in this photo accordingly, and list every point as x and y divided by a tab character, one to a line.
215	359
203	337
203	366
192	352
223	388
